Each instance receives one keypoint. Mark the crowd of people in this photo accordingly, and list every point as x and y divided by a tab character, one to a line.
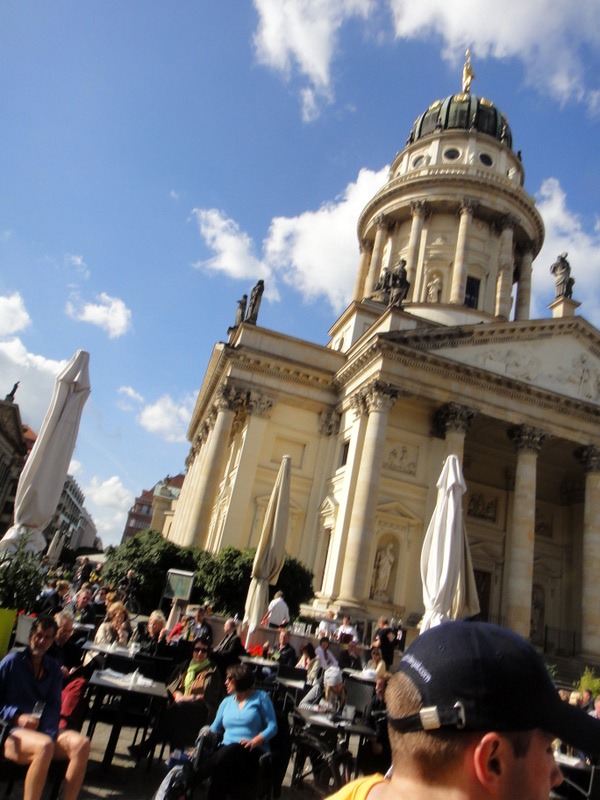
467	705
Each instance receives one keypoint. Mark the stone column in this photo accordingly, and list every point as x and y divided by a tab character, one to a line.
234	531
590	590
519	556
506	267
419	211
459	272
524	286
360	289
185	500
375	268
212	465
451	422
378	399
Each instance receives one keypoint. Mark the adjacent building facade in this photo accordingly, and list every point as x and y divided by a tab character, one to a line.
436	354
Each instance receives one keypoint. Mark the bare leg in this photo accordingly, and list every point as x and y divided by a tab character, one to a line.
73	747
36	749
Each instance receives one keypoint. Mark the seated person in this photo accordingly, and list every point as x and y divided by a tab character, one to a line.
201	628
116	627
196	690
351	657
153	639
309	661
324	654
64	650
285	653
26	678
82	608
52	598
246	720
230	648
182	629
346	632
328	693
376	664
374	753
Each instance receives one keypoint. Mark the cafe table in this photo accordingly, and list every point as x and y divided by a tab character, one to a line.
128	695
258	661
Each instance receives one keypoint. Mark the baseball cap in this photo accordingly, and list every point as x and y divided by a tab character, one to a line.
333	676
475	676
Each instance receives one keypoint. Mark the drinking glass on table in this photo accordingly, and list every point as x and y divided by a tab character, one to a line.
38	710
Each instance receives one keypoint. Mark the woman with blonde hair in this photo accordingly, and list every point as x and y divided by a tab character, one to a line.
116	627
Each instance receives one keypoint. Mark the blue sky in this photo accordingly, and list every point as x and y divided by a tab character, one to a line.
157	158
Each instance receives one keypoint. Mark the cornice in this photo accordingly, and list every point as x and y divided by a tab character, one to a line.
507	390
446	183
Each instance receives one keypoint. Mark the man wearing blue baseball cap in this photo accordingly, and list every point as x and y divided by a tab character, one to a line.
472	714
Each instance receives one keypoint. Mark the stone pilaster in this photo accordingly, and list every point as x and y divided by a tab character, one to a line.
377	400
519	556
459	272
590	590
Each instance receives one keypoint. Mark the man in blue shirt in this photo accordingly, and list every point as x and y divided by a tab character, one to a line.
29	678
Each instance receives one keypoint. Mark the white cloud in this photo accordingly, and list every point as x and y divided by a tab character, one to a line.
13	315
36	376
108	501
109	313
316	252
232	246
548	37
167	419
79	265
130	393
174	194
565	232
302	35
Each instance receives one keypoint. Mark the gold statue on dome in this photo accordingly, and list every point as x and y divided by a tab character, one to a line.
468	76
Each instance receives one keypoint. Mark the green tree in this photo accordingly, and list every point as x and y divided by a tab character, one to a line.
21	578
150	555
225	579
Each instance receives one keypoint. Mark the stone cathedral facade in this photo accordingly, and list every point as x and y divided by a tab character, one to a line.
436	354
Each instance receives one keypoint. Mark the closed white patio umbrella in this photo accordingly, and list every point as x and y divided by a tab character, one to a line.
43	476
270	552
449	589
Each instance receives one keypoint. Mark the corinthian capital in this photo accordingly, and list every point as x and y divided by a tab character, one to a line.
259	404
526	438
452	417
467	206
228	398
379	396
420	207
589	456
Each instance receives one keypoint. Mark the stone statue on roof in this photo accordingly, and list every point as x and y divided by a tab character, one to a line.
468	76
563	282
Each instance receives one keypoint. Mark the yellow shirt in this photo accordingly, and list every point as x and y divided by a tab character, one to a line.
358	789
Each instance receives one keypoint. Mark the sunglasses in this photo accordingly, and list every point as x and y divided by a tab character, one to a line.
200	649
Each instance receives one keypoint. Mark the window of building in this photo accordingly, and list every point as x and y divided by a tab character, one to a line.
344	454
451	154
486	159
472	292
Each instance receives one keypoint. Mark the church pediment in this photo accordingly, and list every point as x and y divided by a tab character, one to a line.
546	354
398	511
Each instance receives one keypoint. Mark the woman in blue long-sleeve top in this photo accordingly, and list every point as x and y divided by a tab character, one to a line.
246	720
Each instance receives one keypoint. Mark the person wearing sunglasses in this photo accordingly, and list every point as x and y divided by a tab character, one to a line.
196	689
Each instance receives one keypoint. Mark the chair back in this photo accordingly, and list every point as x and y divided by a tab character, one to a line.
291	673
358	693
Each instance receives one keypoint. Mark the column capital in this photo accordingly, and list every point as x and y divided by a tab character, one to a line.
508	222
329	422
365	245
467	206
381	221
452	417
421	207
377	396
259	404
228	398
589	457
526	438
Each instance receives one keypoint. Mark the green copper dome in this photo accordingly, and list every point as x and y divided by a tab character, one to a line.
462	111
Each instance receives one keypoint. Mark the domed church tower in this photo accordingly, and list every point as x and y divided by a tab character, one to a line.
455	211
435	355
